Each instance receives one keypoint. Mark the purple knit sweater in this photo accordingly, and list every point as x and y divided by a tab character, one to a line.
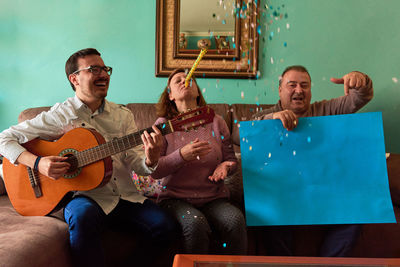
188	180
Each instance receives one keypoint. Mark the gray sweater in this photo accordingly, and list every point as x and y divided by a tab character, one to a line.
351	103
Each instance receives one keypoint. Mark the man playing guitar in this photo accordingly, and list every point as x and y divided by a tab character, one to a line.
115	201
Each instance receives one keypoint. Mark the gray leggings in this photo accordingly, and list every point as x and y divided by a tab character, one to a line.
217	221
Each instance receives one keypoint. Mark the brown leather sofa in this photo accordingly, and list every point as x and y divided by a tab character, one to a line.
43	241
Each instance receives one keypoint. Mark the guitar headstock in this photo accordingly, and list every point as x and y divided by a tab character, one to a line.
192	119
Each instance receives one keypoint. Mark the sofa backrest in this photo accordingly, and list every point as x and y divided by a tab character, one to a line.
243	112
31	113
145	115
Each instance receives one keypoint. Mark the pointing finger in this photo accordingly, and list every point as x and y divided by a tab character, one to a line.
337	80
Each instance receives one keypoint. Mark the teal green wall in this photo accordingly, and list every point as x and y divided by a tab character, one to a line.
330	37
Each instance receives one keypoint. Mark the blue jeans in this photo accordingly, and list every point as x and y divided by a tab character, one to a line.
86	221
338	241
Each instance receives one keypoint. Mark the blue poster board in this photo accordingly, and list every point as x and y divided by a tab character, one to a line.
328	170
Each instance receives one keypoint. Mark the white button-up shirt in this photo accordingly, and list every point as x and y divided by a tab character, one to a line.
110	120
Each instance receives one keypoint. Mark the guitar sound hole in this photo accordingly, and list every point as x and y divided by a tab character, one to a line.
73	161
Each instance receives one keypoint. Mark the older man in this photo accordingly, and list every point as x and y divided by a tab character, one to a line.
295	102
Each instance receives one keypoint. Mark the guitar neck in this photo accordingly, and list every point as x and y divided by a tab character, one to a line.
117	145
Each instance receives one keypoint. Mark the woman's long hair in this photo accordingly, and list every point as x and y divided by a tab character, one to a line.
167	108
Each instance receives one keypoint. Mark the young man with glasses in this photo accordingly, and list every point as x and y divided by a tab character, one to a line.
117	203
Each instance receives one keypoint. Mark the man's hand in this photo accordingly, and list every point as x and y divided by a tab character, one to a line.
152	146
287	117
195	150
353	80
222	171
53	166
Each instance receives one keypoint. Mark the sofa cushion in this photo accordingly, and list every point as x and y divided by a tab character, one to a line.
32	240
2	186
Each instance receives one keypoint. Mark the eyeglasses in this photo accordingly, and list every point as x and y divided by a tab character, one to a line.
96	70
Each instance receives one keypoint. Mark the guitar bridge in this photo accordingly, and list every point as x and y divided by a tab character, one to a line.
35	182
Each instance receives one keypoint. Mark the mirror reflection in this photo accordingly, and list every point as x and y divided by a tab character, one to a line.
207	23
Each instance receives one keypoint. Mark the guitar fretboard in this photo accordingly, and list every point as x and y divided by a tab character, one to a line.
116	145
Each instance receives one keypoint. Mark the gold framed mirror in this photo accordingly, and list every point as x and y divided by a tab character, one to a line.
210	23
234	42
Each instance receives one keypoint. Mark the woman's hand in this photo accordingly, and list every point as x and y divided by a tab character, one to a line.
195	150
222	171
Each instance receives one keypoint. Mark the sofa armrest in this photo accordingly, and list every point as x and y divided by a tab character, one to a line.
2	186
393	168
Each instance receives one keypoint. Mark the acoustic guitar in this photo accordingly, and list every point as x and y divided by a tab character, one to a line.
89	155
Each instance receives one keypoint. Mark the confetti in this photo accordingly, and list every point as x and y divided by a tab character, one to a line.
294	152
250	148
309	139
224	245
271	34
394	79
242	94
269	155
